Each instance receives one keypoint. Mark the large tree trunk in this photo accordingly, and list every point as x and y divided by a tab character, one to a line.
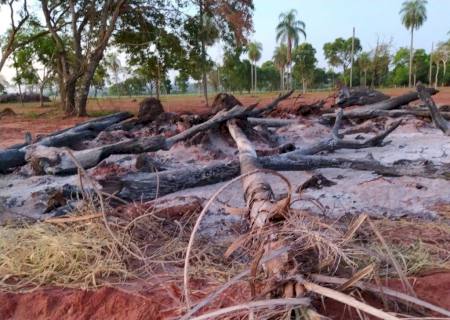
411	54
256	76
70	97
251	75
144	186
83	93
437	75
369	111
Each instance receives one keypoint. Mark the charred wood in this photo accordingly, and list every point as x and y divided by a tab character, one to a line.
369	111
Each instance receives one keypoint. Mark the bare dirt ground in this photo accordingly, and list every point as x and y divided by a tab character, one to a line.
44	120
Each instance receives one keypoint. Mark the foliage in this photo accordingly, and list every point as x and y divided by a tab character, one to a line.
181	81
268	78
236	73
400	62
305	62
254	51
381	59
414	13
339	52
289	30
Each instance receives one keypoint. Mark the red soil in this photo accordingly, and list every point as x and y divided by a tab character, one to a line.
433	288
110	303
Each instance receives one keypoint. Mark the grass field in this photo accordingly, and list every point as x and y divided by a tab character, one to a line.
43	120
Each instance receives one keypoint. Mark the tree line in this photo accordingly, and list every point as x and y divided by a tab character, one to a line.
82	47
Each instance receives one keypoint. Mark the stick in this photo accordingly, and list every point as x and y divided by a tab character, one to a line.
343	298
254	305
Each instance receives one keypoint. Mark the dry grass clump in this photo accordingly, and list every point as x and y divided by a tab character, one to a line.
73	255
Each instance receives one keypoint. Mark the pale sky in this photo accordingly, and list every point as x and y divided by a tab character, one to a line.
328	19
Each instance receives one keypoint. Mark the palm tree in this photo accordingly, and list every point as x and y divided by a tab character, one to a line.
280	61
289	30
254	54
414	14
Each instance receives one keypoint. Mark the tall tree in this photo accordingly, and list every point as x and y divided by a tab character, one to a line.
339	53
233	20
413	14
80	50
35	62
304	58
364	64
11	42
444	52
112	62
400	72
254	54
280	61
289	30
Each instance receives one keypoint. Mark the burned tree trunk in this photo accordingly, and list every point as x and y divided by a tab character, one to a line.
358	97
369	111
438	119
63	138
54	161
144	185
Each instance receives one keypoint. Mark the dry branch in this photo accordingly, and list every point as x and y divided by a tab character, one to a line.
438	119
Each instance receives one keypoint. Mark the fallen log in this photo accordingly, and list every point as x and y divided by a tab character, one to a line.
63	138
359	96
271	106
369	111
262	207
335	141
438	120
57	161
271	122
144	185
11	158
406	112
95	125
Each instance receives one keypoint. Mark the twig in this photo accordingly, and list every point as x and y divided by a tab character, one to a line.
346	299
254	305
102	206
407	286
382	290
74	219
197	225
274	254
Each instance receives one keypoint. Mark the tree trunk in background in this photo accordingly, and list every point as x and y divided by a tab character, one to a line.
41	95
205	83
411	57
158	83
251	75
437	75
70	106
256	76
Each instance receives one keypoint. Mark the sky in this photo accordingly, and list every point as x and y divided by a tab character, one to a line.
328	19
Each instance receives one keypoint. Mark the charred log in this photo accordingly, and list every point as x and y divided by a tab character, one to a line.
438	120
369	111
358	97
